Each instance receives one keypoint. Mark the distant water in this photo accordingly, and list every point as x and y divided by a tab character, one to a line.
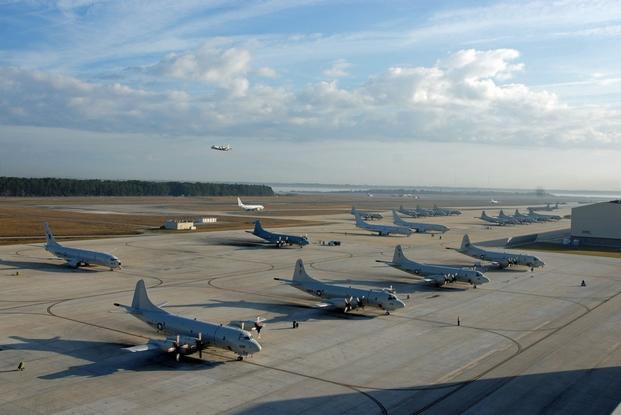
596	195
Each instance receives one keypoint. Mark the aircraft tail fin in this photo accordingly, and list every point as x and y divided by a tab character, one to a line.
517	212
257	227
398	257
141	300
49	236
299	274
465	242
239	202
483	214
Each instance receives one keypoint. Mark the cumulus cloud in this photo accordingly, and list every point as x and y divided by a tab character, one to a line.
338	69
226	69
469	96
267	72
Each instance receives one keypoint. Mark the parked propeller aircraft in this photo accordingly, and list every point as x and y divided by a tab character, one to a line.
226	147
523	218
407	211
418	226
543	218
500	259
509	219
438	275
342	298
494	219
548	207
382	230
366	215
249	207
79	257
440	211
186	335
279	239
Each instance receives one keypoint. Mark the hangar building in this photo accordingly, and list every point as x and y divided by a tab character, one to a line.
598	224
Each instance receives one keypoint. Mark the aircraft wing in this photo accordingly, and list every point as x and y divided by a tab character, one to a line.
435	279
143	347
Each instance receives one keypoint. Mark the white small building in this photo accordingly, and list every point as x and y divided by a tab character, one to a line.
205	221
179	225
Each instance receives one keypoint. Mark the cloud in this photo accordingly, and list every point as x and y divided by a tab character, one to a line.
467	96
226	69
267	72
338	69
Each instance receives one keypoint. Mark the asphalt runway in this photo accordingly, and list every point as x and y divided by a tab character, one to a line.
527	342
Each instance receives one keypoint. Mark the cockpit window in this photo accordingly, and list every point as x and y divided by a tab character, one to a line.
392	297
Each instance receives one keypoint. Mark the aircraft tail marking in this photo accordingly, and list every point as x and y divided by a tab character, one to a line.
465	242
398	257
49	236
300	275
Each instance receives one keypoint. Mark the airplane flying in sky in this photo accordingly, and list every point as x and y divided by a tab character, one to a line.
500	259
342	298
382	230
186	335
279	239
226	147
366	215
437	275
249	207
78	257
418	226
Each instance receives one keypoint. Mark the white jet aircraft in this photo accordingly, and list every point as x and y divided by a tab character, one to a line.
186	335
222	148
79	257
249	207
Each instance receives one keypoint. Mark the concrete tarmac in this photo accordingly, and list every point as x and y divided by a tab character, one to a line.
527	342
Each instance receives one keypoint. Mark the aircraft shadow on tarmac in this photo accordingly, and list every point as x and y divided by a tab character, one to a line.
45	266
288	311
410	287
594	391
105	358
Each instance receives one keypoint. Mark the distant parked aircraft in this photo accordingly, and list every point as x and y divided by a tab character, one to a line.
366	215
493	202
186	335
523	218
278	239
440	211
543	218
547	207
493	219
509	219
382	230
222	147
501	259
407	211
438	275
418	226
249	207
342	298
78	257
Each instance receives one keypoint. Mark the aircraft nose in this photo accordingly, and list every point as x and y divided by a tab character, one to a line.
399	304
255	346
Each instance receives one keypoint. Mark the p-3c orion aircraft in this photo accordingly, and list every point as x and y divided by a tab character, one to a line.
418	227
366	215
186	335
438	275
78	257
500	259
382	230
342	298
278	239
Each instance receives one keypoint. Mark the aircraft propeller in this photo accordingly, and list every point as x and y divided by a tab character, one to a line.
178	348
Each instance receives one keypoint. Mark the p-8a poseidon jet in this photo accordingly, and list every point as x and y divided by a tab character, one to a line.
78	257
186	335
342	298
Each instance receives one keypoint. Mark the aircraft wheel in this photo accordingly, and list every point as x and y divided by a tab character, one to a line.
240	358
387	312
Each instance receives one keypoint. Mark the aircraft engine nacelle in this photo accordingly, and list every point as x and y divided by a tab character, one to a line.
180	345
345	304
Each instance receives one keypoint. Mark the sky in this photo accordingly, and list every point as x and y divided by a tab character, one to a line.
504	94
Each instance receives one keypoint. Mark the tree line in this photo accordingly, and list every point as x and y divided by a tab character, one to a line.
21	186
